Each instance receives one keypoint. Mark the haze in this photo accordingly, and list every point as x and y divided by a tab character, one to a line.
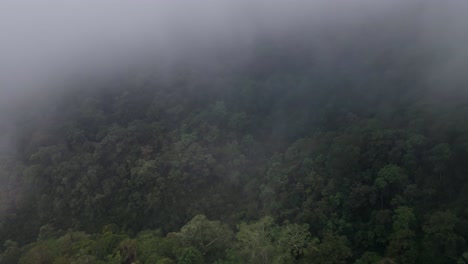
42	42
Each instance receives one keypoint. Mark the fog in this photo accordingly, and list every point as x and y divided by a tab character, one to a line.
42	42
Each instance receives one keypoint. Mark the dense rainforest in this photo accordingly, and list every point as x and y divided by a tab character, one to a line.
293	157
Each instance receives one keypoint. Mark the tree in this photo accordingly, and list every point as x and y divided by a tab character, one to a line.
332	249
439	156
11	254
265	242
402	244
390	178
441	242
211	238
369	258
190	255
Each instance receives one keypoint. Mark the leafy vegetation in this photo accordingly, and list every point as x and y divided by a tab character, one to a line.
292	165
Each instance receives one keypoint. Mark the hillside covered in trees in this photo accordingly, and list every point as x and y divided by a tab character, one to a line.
359	156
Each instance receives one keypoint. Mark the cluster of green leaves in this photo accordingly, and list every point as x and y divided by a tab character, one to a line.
199	241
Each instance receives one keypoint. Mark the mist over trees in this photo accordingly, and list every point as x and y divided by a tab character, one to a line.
247	132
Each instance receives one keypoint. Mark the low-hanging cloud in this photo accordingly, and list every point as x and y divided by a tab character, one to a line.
43	42
42	39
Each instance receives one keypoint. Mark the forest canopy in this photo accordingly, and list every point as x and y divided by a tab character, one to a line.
316	144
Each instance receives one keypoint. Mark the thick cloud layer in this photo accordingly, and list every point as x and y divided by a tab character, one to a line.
43	42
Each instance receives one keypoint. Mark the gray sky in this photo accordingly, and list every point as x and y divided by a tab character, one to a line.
41	42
